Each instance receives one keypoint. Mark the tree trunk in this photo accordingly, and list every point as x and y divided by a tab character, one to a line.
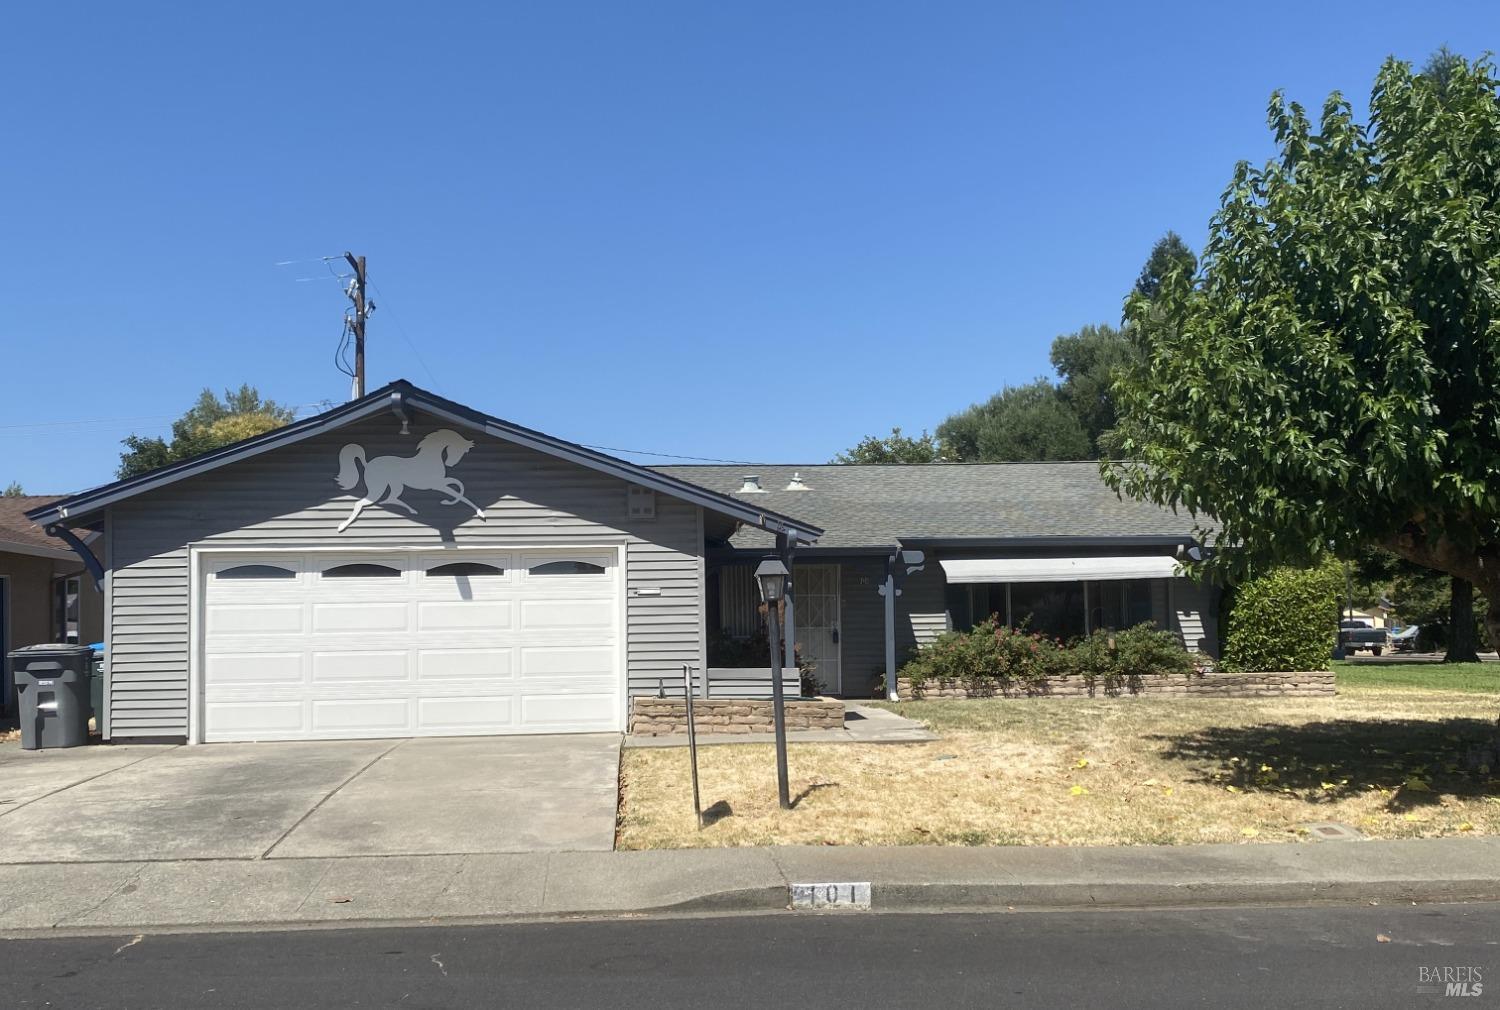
1463	643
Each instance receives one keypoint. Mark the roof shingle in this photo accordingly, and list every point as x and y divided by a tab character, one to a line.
15	528
879	504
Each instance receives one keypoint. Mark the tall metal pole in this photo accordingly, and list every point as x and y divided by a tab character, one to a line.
358	297
687	699
889	589
778	705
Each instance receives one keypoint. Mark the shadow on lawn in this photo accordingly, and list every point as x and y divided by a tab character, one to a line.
1414	760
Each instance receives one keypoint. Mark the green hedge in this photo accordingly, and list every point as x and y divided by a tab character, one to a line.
1286	619
993	659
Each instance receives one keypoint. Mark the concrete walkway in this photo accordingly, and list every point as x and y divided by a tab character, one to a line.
862	724
139	895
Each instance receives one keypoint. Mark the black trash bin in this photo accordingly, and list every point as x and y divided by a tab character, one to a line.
52	686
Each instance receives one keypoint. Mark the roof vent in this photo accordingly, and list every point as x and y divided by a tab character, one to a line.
751	485
796	484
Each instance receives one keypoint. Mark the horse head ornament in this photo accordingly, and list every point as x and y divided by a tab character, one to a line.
386	477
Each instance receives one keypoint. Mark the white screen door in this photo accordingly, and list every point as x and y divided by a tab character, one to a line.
817	618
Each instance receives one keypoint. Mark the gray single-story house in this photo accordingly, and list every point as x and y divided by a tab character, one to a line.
403	565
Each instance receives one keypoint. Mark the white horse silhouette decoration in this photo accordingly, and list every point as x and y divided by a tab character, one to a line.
386	477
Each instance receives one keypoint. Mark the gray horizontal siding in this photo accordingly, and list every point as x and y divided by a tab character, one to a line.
287	498
924	606
1194	615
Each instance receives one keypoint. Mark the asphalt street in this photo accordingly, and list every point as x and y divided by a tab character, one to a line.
1243	957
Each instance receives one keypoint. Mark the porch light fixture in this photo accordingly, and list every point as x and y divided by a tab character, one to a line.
771	574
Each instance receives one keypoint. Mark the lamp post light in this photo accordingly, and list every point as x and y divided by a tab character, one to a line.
772	575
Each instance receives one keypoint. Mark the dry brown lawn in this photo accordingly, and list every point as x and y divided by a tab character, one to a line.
1392	763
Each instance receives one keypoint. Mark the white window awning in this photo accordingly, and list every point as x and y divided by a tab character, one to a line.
963	570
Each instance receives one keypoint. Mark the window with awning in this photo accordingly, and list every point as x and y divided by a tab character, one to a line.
1074	569
1059	597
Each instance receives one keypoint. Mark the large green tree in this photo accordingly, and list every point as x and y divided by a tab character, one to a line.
1169	256
1332	377
1087	363
1019	423
894	448
208	424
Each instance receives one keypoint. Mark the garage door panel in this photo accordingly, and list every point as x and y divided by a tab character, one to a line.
360	666
363	715
370	616
464	664
541	712
565	613
564	662
261	719
254	669
255	619
467	714
482	615
459	643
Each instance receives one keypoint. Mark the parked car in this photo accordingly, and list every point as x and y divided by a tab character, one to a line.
1405	640
1356	636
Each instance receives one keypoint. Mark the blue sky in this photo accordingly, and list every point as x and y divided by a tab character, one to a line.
742	231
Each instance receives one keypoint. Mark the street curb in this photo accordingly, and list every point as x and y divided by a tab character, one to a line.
888	898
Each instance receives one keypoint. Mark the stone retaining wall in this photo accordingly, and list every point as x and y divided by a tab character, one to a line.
665	716
1316	683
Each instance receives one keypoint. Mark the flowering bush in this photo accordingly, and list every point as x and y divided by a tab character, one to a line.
993	659
987	660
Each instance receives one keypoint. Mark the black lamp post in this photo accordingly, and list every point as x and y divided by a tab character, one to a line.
772	574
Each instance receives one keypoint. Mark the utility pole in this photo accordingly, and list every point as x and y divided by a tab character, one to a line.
357	296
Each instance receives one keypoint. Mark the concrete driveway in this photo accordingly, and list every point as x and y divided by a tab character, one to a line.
282	800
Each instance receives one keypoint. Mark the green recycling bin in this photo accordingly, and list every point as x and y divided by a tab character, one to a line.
52	686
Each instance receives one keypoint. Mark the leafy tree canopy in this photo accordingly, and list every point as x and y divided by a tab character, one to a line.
209	423
14	490
1169	256
1019	423
895	448
1087	362
1330	380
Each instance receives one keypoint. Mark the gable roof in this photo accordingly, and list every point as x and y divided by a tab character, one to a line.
19	535
401	396
885	504
17	530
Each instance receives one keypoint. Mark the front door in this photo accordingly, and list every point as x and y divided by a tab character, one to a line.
817	618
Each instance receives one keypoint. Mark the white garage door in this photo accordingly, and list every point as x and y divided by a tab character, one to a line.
300	646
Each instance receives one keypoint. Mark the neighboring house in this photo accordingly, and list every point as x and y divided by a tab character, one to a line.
1045	546
403	565
45	593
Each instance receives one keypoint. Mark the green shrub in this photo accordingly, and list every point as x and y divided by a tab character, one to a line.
1121	660
999	660
987	660
1286	619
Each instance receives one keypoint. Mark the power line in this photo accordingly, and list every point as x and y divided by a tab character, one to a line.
404	336
672	455
32	425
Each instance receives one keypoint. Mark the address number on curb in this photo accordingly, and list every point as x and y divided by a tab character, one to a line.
855	896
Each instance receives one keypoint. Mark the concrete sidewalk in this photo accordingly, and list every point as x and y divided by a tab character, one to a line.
215	893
